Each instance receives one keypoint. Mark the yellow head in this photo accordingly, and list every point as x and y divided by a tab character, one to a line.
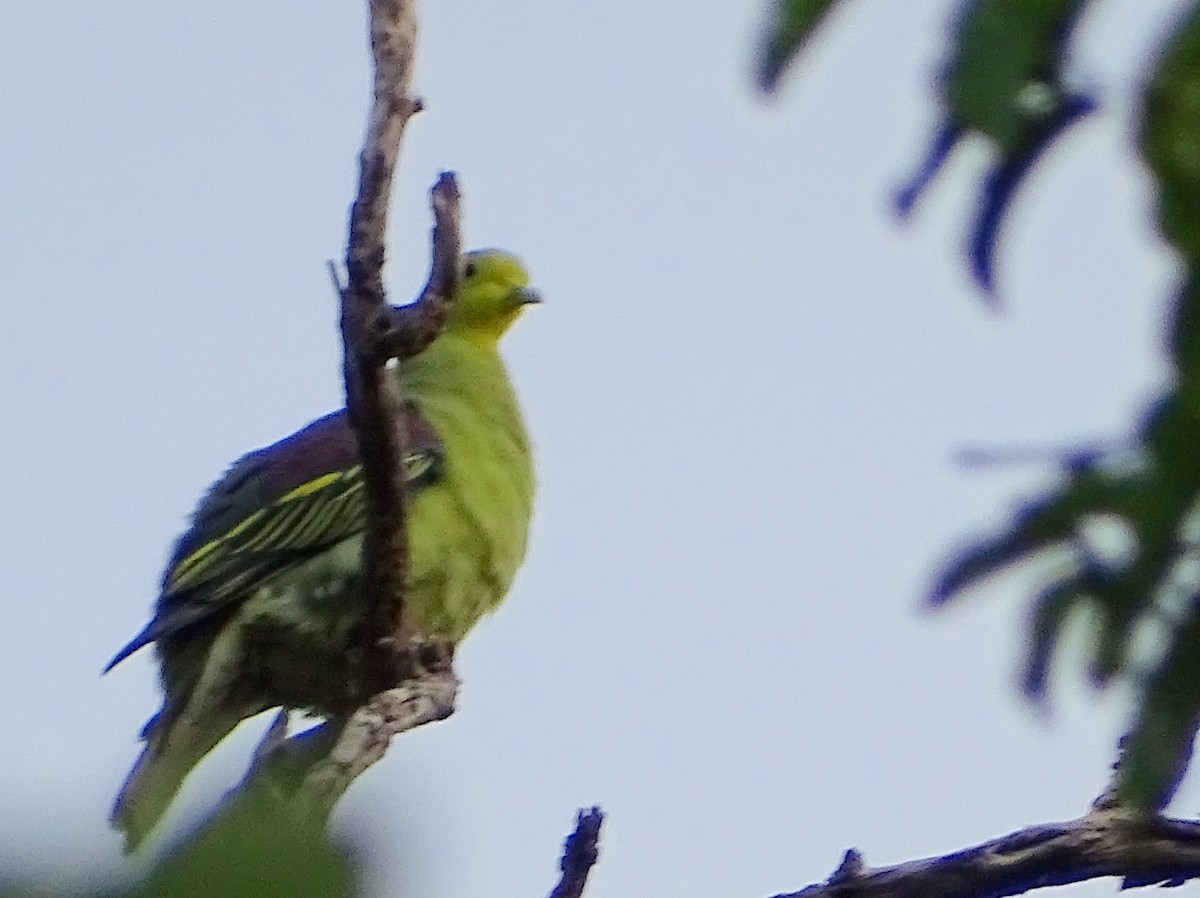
495	290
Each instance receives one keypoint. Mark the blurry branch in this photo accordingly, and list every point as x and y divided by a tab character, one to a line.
580	853
1109	841
1071	458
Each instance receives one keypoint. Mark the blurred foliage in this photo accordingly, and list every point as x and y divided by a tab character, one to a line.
789	25
1120	535
252	849
1003	81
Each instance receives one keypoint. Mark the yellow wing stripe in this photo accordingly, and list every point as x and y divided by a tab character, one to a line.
191	569
231	586
329	517
261	538
183	573
307	524
300	519
307	489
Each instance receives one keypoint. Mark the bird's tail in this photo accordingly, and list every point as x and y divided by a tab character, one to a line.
173	748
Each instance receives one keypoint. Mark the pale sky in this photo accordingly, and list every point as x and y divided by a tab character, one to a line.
746	388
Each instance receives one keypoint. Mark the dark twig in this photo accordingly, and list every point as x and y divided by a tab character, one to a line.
580	852
372	398
373	332
1110	841
405	331
404	685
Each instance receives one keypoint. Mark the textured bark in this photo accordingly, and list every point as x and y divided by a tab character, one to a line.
404	685
1110	841
373	333
422	699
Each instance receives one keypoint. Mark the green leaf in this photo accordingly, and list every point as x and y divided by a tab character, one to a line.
1005	72
1170	135
1047	621
789	25
254	849
1039	525
1156	752
1003	81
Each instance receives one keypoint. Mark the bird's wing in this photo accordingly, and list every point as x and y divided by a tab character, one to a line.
273	509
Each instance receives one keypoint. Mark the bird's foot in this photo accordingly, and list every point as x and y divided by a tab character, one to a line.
434	655
414	660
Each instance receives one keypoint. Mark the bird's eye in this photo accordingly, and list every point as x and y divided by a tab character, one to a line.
469	271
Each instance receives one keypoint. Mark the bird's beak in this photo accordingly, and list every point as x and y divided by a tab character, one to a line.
526	296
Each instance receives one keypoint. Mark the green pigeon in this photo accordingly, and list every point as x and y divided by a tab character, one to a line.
261	601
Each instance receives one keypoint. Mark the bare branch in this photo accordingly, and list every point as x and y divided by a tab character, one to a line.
373	332
393	47
580	853
404	331
404	684
428	697
1107	842
372	398
379	332
306	774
